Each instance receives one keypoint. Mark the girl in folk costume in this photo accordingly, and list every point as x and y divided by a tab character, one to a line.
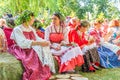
87	45
69	55
115	28
115	38
8	31
3	42
107	51
30	49
73	23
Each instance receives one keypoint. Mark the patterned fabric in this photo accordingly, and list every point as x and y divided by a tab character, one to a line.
91	56
69	56
90	51
113	48
115	35
107	52
94	55
97	35
108	59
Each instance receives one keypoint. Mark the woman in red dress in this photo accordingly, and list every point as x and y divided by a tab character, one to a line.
68	54
86	43
24	49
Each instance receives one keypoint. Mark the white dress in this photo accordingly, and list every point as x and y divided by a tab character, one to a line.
43	52
69	53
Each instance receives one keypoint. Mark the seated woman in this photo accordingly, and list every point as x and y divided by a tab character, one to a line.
8	30
87	45
30	49
69	55
115	28
73	23
107	51
8	62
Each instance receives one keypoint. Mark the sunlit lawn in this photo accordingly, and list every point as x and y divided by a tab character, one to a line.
104	74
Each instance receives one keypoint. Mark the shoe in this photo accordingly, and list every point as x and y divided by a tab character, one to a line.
91	69
96	67
97	64
63	72
68	72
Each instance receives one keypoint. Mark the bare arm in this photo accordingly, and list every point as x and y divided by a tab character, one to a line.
40	43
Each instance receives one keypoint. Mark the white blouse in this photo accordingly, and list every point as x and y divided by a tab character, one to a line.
20	39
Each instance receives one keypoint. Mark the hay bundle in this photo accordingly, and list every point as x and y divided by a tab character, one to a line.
10	68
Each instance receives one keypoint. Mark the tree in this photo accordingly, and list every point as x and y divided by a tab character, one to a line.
80	8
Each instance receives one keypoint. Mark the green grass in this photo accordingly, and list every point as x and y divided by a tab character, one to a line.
104	74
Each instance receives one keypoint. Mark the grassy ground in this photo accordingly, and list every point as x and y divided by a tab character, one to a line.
104	74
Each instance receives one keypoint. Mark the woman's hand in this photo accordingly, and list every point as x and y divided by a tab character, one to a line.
44	43
91	40
40	43
57	47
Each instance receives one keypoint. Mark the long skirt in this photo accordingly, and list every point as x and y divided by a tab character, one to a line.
108	58
91	56
69	58
33	68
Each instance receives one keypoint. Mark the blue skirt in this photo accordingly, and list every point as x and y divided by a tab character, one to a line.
108	59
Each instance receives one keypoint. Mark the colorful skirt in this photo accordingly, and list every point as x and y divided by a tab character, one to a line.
33	67
108	58
91	56
69	58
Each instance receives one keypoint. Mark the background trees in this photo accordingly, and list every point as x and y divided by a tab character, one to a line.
84	9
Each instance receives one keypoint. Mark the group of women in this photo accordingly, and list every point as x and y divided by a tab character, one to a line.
70	46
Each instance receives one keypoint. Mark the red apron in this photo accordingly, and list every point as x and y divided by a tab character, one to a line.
56	37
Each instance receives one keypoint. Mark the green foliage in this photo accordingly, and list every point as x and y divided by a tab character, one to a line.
101	17
37	24
24	17
45	8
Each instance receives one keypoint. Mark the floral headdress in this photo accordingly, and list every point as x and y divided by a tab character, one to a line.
24	17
